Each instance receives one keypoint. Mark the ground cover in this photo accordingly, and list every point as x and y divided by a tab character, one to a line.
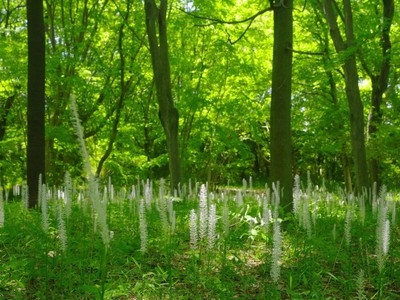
143	242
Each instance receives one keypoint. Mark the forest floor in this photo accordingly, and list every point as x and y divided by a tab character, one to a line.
199	245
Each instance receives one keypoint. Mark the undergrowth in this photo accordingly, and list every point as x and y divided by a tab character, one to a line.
331	247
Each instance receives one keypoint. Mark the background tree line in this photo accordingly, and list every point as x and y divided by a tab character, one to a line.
344	92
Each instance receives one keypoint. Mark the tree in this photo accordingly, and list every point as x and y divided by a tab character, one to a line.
36	99
221	137
356	116
125	85
379	78
72	67
4	111
334	118
281	141
156	25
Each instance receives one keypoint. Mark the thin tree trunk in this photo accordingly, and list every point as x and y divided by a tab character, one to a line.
352	90
5	110
36	99
3	116
281	136
124	85
380	84
156	25
347	172
338	122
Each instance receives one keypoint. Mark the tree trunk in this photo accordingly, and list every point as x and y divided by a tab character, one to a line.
156	25
5	110
352	90
346	172
338	122
281	136
36	99
380	84
356	124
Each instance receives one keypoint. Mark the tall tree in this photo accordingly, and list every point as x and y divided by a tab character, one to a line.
36	99
379	78
156	25
352	88
281	136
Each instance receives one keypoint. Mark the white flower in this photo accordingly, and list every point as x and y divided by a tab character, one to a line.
68	194
360	284
51	253
296	194
386	237
1	209
61	229
212	220
142	225
44	207
347	227
276	252
382	234
193	230
239	199
225	217
203	212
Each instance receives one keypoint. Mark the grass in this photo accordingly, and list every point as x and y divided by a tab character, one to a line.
318	260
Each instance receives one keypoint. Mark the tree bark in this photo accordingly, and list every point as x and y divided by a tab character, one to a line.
281	136
36	99
156	25
352	89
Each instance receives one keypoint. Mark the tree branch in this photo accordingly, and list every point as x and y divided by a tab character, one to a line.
306	52
213	21
241	36
220	21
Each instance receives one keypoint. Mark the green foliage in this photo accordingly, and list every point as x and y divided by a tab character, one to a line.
98	51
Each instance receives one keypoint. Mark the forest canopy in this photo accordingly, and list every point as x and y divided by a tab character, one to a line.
220	56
